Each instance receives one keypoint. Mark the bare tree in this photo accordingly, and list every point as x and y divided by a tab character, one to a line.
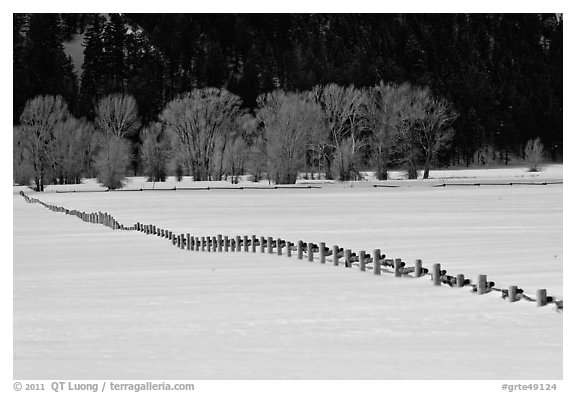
117	115
112	161
38	120
343	114
534	151
197	120
385	113
288	120
22	171
433	129
72	150
156	152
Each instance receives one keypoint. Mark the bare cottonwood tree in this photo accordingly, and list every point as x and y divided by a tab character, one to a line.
385	112
156	152
112	161
116	117
343	114
71	151
288	120
434	129
197	120
38	120
534	151
22	171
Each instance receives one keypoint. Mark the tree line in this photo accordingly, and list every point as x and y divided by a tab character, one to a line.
501	72
207	134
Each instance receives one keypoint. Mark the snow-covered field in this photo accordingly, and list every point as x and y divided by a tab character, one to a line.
94	303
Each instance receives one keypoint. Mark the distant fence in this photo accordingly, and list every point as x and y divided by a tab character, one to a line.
375	262
501	184
193	189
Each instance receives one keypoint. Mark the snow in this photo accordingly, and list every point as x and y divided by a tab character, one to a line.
94	303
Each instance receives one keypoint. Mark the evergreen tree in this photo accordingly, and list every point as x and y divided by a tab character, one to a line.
94	66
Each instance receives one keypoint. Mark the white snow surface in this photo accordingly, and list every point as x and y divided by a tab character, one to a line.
94	303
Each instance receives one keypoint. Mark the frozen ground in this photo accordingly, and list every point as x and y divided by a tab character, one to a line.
94	303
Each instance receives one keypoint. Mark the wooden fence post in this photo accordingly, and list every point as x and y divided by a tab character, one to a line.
289	249
481	287
214	243
417	268
376	261
541	297
262	245
269	244
226	243
436	274
299	249
361	262
397	267
203	243
219	240
460	280
335	255
246	246
188	242
238	245
512	293
253	243
310	252
322	249
347	257
278	246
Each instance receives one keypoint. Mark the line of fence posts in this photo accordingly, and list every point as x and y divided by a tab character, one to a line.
217	243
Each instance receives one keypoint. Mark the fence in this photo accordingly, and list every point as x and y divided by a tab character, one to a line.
287	187
375	262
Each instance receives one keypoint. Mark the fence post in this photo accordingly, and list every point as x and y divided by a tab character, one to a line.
436	274
361	262
512	293
541	297
460	280
182	244
278	246
335	255
262	246
238	245
310	252
322	249
397	267
225	243
299	249
288	249
203	243
347	257
417	267
269	244
219	240
197	243
376	261
481	287
245	243
188	242
253	243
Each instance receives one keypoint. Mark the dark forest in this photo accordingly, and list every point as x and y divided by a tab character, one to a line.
501	72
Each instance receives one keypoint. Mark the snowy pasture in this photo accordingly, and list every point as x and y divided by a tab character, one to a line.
94	303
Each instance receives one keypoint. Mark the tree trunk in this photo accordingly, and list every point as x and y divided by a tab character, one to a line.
412	172
427	167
